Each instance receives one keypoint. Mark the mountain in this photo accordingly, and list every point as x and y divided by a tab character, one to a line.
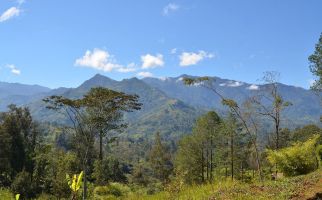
19	94
159	112
306	104
169	106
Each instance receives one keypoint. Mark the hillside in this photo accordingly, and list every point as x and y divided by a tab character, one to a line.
168	105
295	188
305	109
157	112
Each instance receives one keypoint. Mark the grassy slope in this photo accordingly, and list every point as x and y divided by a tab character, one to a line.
301	187
296	188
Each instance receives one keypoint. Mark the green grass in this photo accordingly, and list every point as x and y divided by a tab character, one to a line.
301	187
6	194
296	188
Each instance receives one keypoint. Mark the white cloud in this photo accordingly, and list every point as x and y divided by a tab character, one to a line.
145	74
232	84
11	12
179	79
173	51
164	78
21	1
129	68
150	61
198	84
191	58
100	60
311	82
171	7
14	69
253	87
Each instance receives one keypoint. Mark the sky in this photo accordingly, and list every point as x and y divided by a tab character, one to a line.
65	42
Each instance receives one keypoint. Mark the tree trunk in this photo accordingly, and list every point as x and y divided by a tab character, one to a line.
232	155
207	163
226	172
211	160
202	166
85	184
242	172
101	146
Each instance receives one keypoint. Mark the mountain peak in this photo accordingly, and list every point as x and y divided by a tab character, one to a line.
98	80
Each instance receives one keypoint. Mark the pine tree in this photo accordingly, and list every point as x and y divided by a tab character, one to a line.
160	159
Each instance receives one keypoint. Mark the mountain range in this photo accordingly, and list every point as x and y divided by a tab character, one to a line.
169	106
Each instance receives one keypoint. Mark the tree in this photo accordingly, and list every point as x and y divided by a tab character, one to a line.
247	121
98	111
316	65
189	159
230	130
105	108
306	132
271	104
19	137
195	157
208	128
160	160
84	133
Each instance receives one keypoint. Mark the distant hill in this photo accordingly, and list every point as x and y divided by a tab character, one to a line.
306	104
159	112
19	94
168	105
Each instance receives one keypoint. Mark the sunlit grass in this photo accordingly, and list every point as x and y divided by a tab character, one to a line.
285	188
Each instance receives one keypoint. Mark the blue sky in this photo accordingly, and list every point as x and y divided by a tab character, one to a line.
64	42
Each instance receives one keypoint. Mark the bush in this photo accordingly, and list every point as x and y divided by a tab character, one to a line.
319	150
22	185
300	158
111	190
5	194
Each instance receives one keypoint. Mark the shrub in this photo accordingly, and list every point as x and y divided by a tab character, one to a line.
111	190
5	194
300	158
22	185
319	150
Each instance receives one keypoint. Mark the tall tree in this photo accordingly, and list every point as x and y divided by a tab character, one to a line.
83	132
271	104
196	154
19	129
105	108
316	65
98	111
247	120
160	159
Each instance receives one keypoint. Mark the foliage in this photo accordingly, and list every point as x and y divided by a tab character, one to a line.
195	156
160	160
22	185
306	132
105	109
302	187
74	183
111	190
316	65
6	193
300	158
319	151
